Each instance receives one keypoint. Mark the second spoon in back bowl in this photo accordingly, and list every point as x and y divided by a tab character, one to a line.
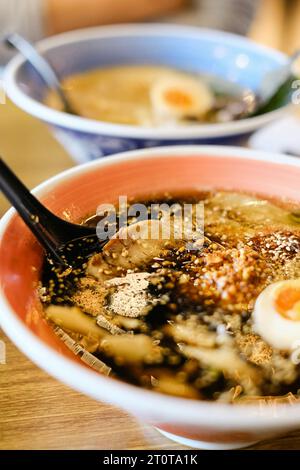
41	65
66	244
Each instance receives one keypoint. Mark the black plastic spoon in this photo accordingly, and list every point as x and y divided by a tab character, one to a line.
65	243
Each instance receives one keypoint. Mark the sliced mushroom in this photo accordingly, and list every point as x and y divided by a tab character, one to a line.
132	247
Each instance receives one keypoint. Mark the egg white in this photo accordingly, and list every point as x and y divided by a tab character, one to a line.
199	93
278	331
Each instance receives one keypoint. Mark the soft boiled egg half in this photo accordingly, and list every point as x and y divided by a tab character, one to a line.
178	96
277	314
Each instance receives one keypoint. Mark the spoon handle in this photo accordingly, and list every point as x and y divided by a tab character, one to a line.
34	214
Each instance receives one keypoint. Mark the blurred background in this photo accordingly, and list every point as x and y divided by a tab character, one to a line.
272	22
26	143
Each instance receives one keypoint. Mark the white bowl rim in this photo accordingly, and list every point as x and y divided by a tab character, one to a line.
91	126
130	397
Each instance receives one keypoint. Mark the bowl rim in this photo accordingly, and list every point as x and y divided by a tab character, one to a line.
127	396
92	126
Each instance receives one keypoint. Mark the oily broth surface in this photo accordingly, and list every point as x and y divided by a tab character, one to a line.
195	337
121	94
117	94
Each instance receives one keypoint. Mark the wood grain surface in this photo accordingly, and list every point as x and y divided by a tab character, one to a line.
36	411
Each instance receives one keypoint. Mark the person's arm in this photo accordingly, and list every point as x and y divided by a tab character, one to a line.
64	15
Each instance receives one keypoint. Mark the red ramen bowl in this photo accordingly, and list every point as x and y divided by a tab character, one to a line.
75	194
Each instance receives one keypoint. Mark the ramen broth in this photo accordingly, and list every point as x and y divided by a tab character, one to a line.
148	95
184	321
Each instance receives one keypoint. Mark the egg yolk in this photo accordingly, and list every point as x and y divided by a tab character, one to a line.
287	303
178	98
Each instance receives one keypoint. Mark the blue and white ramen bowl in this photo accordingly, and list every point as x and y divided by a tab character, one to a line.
195	50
